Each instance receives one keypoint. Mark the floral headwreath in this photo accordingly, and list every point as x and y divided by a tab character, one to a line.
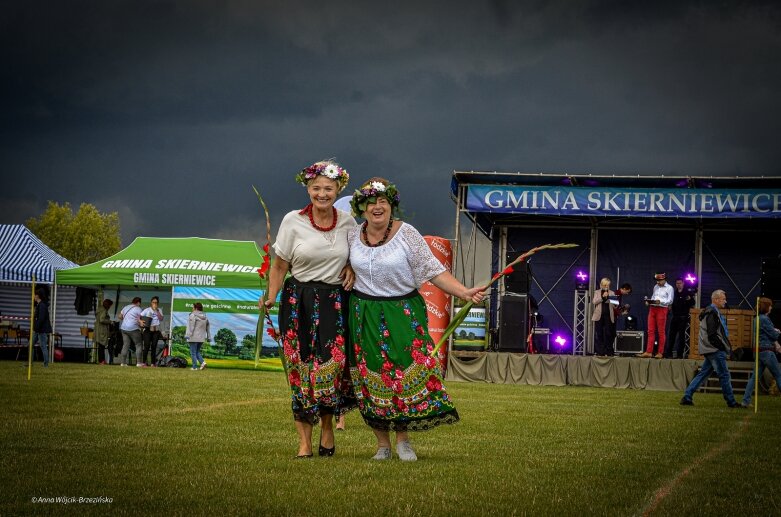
327	168
368	194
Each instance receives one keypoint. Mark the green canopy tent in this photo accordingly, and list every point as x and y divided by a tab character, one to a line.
151	262
176	265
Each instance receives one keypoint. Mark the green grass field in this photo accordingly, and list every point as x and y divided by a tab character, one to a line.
178	442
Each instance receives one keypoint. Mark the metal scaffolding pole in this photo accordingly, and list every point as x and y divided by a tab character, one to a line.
579	323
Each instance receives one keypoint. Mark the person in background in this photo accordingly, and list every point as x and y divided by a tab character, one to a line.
659	305
683	300
622	309
102	330
604	318
399	385
42	326
768	344
197	332
131	332
713	343
154	315
312	246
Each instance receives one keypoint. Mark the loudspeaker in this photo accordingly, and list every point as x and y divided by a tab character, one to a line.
519	280
629	342
513	323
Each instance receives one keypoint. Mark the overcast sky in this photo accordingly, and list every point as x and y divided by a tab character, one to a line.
168	111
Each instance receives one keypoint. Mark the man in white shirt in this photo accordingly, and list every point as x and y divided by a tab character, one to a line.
131	332
658	306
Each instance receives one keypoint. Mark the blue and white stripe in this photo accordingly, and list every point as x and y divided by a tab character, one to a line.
22	254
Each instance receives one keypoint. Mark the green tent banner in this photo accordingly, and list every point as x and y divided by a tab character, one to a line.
170	262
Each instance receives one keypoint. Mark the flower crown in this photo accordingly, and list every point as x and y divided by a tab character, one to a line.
368	194
325	168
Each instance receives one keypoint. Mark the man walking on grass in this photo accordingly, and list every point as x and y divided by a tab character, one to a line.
713	343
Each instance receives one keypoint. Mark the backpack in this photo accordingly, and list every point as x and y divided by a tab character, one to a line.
172	362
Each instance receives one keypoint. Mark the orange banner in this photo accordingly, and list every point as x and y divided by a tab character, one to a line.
437	301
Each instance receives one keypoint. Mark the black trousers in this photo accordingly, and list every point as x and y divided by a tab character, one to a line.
677	337
151	337
604	333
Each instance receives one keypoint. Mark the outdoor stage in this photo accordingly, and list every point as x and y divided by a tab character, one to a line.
578	370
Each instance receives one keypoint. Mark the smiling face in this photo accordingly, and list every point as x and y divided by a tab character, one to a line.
322	192
378	213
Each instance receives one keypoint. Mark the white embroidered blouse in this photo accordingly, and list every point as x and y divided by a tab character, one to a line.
397	267
314	256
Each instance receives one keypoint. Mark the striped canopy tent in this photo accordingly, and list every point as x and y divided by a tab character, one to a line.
24	261
23	255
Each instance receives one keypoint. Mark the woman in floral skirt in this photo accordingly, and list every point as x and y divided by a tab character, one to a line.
312	245
397	383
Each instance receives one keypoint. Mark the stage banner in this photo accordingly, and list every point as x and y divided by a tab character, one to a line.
636	202
233	317
470	335
438	301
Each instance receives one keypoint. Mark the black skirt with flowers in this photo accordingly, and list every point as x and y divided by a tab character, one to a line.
313	325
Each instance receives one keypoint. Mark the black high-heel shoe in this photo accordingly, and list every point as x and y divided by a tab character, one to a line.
327	452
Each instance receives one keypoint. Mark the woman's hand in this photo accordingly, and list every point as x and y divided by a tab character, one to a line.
348	277
268	303
475	294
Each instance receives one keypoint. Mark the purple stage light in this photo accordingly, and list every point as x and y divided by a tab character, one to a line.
690	278
559	340
583	277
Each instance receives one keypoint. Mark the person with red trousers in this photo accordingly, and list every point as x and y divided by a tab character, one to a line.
658	307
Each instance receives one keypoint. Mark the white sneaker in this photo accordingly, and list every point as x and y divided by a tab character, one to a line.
405	452
203	365
383	453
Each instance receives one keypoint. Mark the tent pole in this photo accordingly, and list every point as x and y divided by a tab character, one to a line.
171	322
32	326
54	319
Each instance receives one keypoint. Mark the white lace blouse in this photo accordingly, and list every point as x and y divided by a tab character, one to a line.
397	267
314	256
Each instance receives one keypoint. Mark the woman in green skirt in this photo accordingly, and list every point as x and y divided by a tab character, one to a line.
397	383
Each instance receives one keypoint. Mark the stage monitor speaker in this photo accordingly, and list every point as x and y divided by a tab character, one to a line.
513	323
629	342
771	278
519	281
541	340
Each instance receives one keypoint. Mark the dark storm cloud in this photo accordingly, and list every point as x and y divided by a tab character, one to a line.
167	111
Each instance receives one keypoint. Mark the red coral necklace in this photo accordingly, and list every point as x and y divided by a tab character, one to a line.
308	211
384	237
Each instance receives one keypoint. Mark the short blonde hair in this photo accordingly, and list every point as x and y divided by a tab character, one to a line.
604	281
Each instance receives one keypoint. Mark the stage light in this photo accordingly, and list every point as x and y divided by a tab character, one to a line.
581	281
690	278
630	322
559	340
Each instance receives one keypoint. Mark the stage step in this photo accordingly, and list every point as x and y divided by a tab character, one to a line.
739	372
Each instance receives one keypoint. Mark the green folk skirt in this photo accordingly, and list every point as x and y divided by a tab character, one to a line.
398	386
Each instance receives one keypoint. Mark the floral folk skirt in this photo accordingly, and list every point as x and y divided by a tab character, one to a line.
397	384
314	333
